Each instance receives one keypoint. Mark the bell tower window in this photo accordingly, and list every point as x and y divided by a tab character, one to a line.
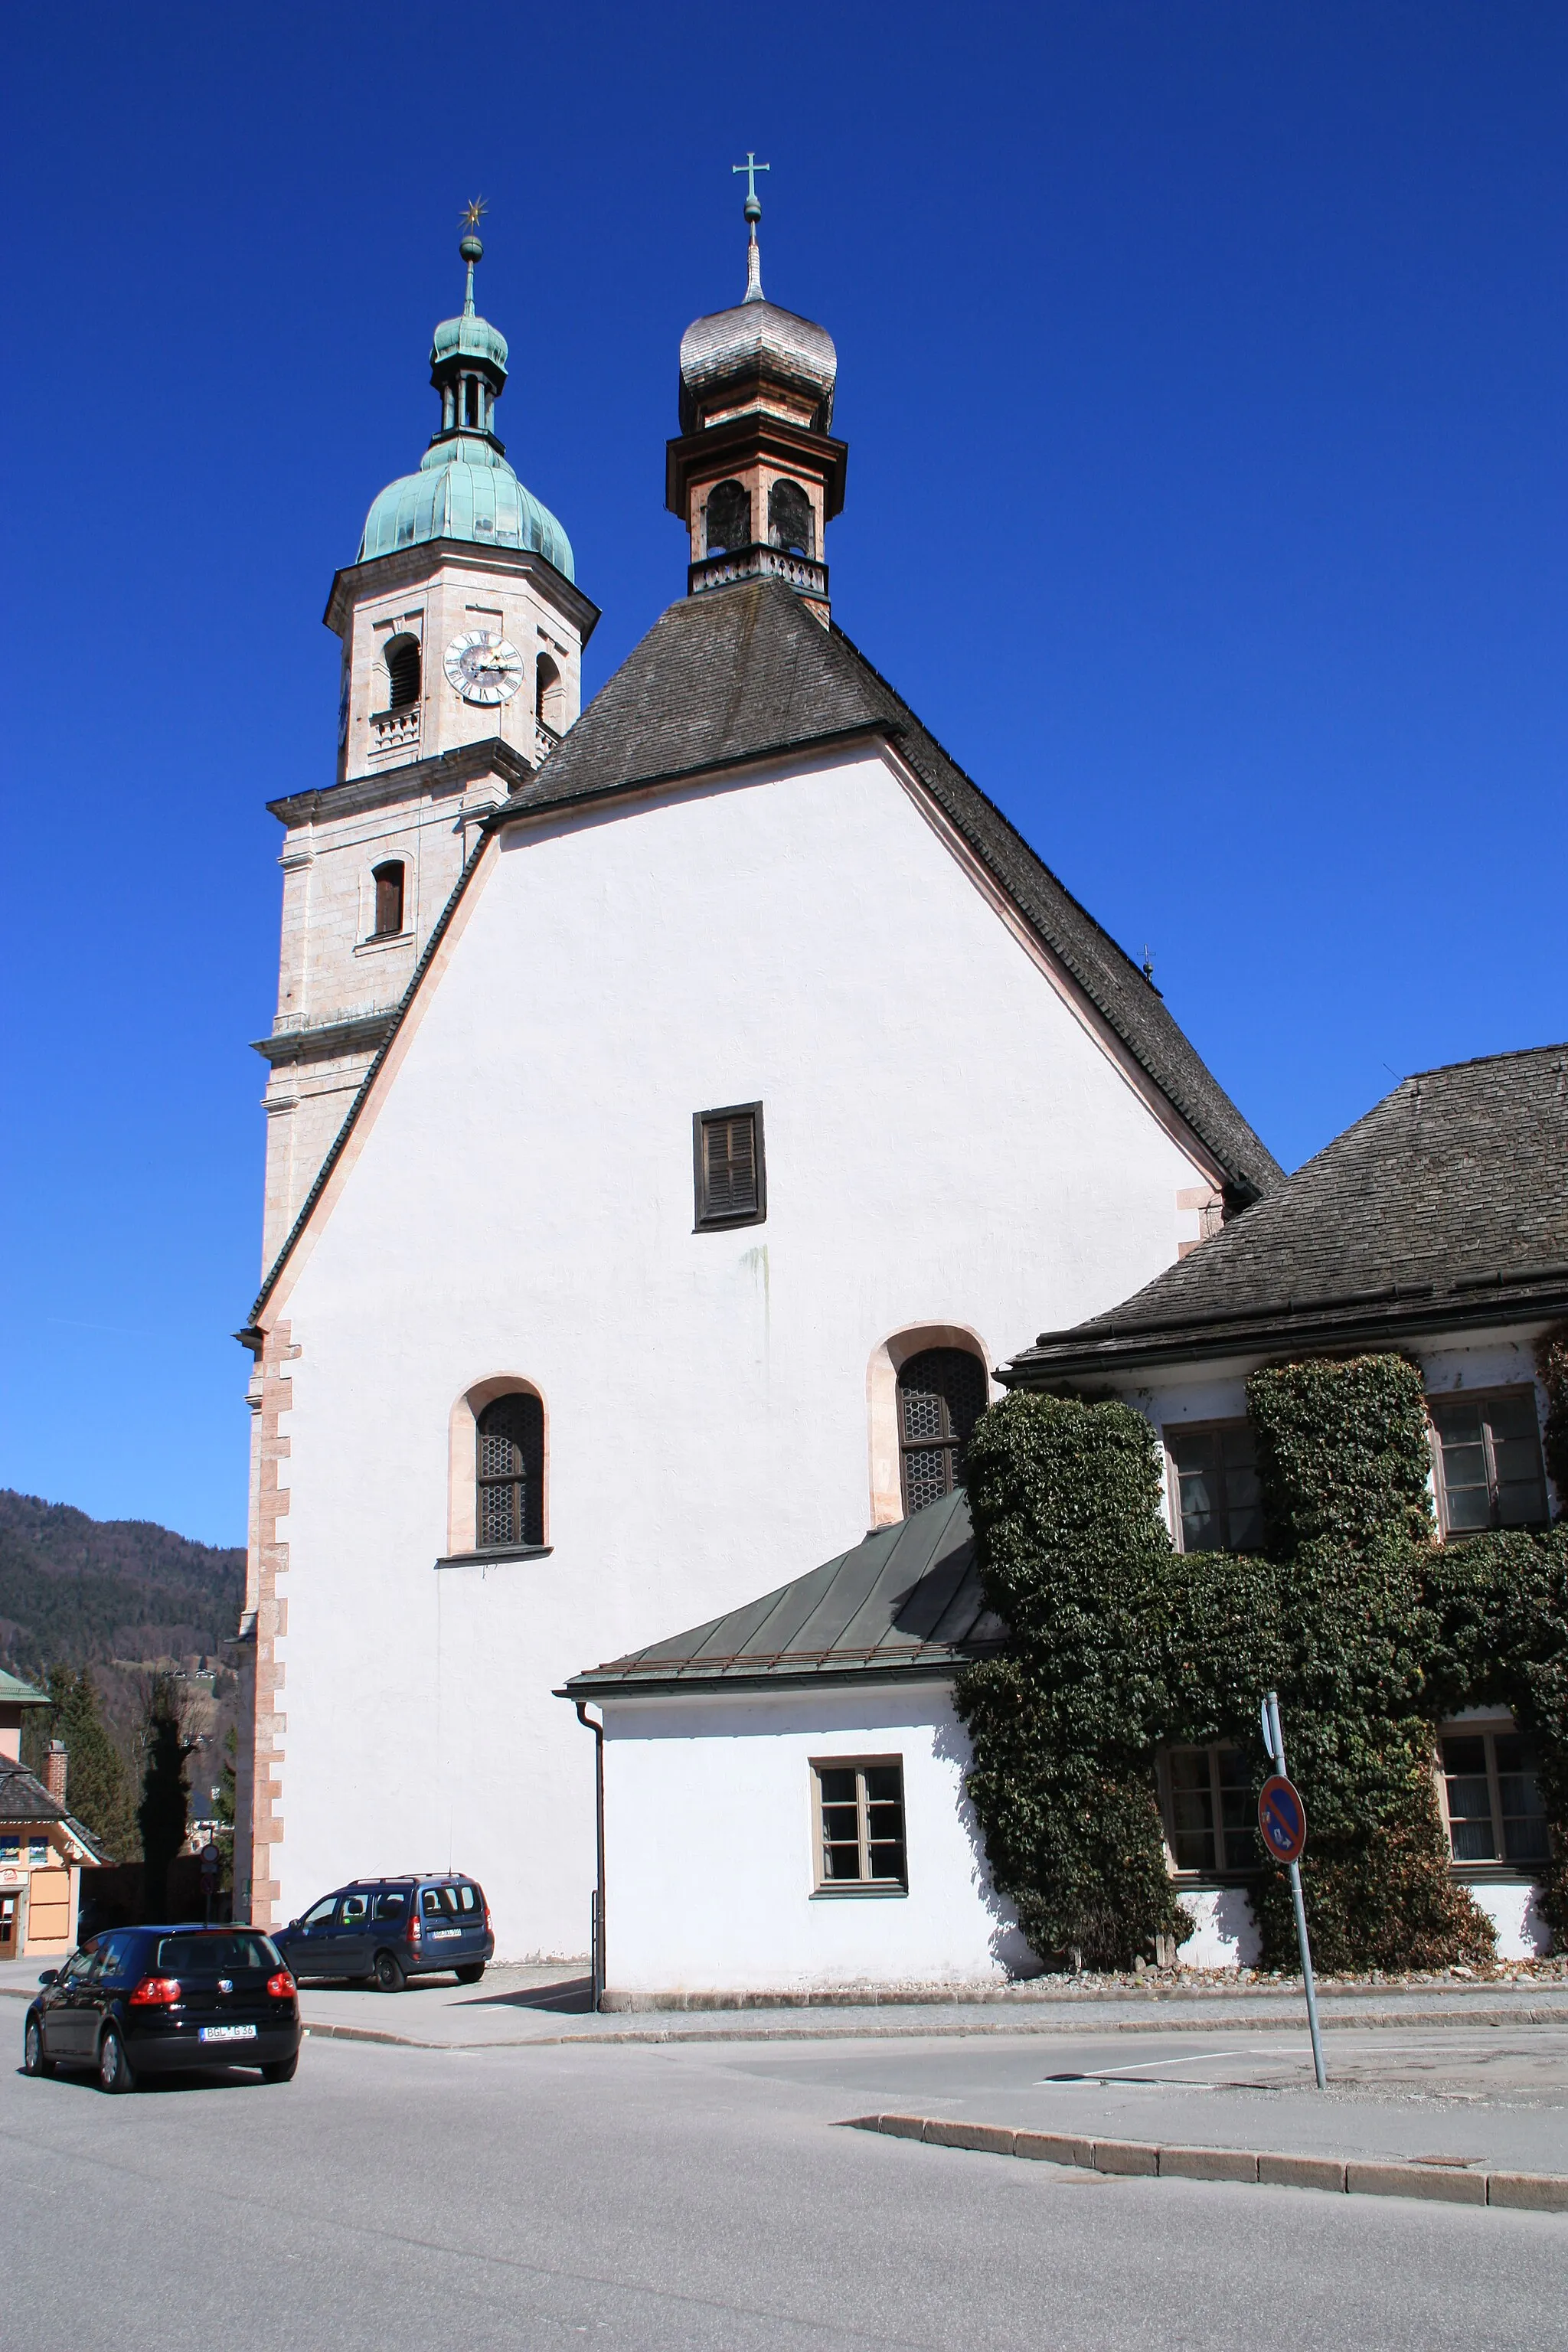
729	518
388	880
790	521
549	694
403	673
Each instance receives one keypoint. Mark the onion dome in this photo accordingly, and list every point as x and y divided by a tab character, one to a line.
465	488
757	339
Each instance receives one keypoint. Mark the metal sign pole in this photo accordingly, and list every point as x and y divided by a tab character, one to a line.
1274	1740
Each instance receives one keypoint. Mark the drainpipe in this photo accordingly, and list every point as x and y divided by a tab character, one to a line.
597	1961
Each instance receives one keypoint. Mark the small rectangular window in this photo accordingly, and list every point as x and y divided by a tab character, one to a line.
1211	1811
860	1807
1221	1507
728	1167
1488	1452
1491	1796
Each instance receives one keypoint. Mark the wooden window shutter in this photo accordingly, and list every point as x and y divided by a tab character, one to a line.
727	1150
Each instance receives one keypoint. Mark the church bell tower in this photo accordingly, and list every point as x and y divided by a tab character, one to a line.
755	474
462	631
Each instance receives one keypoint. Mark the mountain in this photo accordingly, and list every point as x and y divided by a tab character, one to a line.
81	1592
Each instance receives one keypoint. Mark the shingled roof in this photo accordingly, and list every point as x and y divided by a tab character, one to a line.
25	1800
745	673
905	1601
1445	1206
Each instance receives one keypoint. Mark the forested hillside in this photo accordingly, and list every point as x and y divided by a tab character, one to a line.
81	1592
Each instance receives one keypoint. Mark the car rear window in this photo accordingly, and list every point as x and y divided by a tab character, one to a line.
218	1956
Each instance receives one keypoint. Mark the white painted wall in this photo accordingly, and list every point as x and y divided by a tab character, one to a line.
947	1144
709	1848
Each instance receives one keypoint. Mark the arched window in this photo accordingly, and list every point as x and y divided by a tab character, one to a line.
388	880
549	694
510	1473
729	518
403	672
790	522
942	1395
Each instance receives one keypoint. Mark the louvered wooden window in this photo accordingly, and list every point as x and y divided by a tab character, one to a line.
731	1178
388	880
510	1473
403	672
942	1395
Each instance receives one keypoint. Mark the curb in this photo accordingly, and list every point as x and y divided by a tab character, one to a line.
1529	2192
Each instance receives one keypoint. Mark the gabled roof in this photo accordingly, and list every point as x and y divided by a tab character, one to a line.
745	673
24	1799
905	1601
1445	1206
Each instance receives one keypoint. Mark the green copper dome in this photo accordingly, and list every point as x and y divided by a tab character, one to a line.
464	488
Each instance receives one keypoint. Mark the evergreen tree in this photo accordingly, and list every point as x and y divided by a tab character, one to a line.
162	1814
97	1789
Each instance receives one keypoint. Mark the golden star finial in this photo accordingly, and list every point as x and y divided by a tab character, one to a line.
473	213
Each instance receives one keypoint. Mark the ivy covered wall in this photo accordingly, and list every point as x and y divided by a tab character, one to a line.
1370	1629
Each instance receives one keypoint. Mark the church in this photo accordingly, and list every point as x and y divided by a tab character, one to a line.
675	1110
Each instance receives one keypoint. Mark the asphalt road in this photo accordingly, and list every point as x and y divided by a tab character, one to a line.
687	2196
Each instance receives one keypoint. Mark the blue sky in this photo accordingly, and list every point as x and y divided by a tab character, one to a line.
1205	370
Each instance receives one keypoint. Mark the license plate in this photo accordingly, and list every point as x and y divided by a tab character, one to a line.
228	2033
444	1935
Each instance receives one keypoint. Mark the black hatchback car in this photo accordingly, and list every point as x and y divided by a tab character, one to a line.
156	2001
386	1930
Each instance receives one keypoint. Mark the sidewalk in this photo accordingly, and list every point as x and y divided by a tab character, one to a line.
517	2006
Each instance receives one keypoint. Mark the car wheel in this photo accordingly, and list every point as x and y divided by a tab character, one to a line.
388	1973
472	1973
115	2072
34	2059
280	2070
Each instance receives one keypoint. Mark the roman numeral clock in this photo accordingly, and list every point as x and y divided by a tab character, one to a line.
483	666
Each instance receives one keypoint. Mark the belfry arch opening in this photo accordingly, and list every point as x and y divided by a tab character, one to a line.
729	518
791	524
549	696
401	673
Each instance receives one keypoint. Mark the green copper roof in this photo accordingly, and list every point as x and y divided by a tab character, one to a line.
464	488
14	1693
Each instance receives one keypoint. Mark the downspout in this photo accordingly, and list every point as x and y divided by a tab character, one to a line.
597	1963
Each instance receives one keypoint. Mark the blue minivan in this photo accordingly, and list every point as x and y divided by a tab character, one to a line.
382	1931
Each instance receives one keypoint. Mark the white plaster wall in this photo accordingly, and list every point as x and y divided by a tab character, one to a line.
946	1143
1224	1933
1514	1909
708	1849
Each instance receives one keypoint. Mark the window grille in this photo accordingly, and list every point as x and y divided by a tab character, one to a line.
860	1825
731	1178
942	1395
1217	1478
403	672
1490	1450
1212	1813
1491	1795
510	1473
388	880
729	518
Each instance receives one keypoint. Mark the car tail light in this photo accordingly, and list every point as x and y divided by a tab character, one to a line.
414	1926
281	1986
487	1918
156	1992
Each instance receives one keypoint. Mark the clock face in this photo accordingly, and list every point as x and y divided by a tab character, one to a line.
483	668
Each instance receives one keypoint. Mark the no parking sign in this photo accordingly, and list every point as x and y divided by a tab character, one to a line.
1282	1819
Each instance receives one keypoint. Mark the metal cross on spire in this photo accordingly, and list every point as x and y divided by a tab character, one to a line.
753	213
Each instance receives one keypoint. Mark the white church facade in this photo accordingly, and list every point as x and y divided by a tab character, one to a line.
675	1110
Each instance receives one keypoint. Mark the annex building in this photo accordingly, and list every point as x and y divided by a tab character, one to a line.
674	1108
